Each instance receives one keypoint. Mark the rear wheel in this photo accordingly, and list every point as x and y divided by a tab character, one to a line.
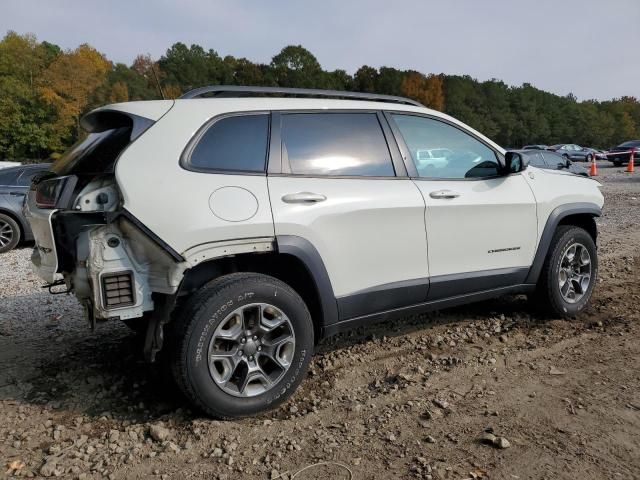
617	163
242	345
569	273
9	233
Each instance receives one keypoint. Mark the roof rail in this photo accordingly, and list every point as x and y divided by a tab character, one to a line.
241	91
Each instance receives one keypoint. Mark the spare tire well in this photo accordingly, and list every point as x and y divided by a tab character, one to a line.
284	267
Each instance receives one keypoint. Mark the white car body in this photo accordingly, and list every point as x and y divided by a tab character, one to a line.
386	244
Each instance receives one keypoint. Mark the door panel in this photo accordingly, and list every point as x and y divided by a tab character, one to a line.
369	232
488	225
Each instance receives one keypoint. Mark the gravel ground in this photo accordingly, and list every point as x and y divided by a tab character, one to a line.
485	391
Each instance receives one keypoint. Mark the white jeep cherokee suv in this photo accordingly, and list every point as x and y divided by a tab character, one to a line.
242	225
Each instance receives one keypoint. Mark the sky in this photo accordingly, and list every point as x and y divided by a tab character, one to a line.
590	48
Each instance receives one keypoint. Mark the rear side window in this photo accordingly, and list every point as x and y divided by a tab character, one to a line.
336	144
25	179
236	144
536	160
8	178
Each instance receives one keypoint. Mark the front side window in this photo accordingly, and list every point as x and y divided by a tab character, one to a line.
236	144
335	144
440	150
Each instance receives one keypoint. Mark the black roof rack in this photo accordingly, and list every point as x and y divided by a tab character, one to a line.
240	91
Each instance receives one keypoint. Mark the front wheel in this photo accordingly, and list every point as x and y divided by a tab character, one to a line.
242	345
569	273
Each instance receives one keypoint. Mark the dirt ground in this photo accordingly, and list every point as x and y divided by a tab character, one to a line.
406	399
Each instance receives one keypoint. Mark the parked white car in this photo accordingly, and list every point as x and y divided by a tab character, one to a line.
243	228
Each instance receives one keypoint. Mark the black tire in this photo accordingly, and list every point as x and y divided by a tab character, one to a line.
196	322
617	164
548	295
9	233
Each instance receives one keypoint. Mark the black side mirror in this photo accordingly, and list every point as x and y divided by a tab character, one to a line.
514	162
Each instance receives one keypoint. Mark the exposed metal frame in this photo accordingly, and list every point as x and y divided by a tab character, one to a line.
242	91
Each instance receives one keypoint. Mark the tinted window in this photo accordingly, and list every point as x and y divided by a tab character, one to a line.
440	150
632	143
236	143
553	159
8	178
95	154
335	144
25	179
536	159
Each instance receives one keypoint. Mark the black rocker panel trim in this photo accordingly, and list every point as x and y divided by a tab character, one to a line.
445	286
383	297
304	251
556	216
365	320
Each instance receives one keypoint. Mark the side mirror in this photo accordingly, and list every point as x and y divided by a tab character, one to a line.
515	162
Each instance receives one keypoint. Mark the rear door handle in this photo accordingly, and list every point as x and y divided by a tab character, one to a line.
444	194
303	197
17	194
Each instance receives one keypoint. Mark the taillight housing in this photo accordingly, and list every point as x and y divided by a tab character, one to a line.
54	192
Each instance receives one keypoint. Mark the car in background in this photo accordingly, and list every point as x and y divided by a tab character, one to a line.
621	154
552	161
573	152
535	147
14	185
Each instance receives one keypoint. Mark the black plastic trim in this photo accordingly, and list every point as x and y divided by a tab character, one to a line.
352	323
304	251
446	286
554	219
383	297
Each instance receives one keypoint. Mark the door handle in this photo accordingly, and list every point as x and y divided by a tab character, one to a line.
17	194
444	194
303	197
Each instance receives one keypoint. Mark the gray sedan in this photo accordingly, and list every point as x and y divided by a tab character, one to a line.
14	184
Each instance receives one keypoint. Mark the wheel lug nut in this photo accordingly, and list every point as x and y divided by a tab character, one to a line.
251	358
240	352
244	340
255	337
260	348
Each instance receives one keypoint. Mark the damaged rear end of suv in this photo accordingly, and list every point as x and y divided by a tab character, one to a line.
87	243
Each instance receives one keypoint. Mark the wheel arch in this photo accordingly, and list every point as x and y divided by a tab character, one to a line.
578	214
295	261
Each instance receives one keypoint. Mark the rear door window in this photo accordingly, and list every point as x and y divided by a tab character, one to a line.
232	144
335	144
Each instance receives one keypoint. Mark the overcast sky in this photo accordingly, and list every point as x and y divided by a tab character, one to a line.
588	47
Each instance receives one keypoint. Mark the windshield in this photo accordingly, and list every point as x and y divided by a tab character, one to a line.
94	155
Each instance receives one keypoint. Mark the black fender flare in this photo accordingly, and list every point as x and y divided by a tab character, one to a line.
554	219
304	251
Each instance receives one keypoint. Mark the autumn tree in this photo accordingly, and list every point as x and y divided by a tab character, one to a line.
426	90
68	83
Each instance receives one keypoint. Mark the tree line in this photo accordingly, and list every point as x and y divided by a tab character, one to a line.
44	91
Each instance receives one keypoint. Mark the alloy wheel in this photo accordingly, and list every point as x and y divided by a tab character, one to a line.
6	233
251	350
574	276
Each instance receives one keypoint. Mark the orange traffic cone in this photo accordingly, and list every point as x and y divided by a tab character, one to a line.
593	168
631	161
